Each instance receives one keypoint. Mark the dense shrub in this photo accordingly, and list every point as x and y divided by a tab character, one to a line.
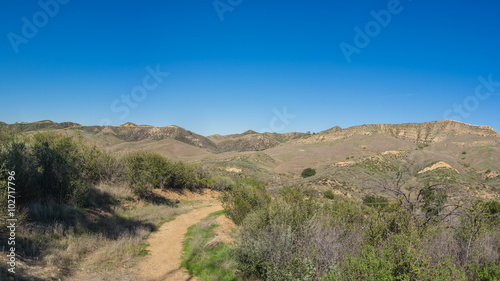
308	172
50	166
63	169
244	197
298	236
488	271
145	171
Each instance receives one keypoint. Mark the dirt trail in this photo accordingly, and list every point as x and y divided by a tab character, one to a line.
166	247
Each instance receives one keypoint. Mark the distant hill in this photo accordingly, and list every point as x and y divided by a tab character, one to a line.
467	156
128	132
426	133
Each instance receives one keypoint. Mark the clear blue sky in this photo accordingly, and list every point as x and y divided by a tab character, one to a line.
76	60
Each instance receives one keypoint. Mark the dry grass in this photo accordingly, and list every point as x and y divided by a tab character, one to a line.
90	244
116	190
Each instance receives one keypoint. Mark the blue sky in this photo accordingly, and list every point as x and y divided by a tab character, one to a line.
235	65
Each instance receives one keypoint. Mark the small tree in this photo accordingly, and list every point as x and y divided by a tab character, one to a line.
308	172
424	204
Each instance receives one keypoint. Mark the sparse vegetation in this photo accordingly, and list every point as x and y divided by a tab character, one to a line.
422	145
85	209
205	256
375	202
300	236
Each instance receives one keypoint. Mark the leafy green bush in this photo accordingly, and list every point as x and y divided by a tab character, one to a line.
489	271
61	168
244	197
53	167
145	171
308	172
492	207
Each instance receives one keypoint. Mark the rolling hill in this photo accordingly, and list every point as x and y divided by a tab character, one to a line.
345	159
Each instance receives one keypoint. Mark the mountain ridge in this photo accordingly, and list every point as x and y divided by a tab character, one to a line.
426	132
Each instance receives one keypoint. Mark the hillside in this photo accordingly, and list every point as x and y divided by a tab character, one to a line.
425	133
344	158
125	191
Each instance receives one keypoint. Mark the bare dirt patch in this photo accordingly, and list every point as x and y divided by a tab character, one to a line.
224	229
233	170
391	152
344	163
206	196
438	165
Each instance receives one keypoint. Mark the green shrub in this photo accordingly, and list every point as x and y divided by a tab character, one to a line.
329	194
434	201
244	197
492	207
61	169
298	237
376	202
145	171
308	172
140	174
100	165
367	266
218	183
489	271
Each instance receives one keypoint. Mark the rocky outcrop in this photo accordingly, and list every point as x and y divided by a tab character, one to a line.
427	132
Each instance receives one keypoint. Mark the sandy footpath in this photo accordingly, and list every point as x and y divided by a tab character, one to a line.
166	246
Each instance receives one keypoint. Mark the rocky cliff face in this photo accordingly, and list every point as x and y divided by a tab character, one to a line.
427	132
